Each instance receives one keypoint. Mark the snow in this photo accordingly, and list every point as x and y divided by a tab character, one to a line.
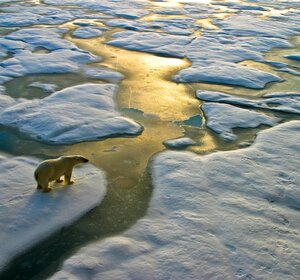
25	15
27	216
215	54
276	63
228	215
32	38
226	73
62	56
127	9
128	24
179	142
247	25
222	118
176	26
243	7
158	43
103	74
2	90
47	88
288	102
290	71
87	32
293	56
211	61
6	101
80	113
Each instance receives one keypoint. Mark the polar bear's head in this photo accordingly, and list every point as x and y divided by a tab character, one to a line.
80	159
74	159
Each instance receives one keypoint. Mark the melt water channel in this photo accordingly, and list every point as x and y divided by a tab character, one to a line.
165	109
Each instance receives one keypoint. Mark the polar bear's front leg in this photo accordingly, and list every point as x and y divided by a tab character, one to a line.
68	176
45	186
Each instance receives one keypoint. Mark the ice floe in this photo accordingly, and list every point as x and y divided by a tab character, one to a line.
179	142
242	6
126	9
293	56
226	73
60	56
279	101
158	43
102	73
222	118
80	113
129	24
87	32
214	63
247	25
228	215
27	216
177	26
211	61
6	101
214	55
26	15
289	70
47	88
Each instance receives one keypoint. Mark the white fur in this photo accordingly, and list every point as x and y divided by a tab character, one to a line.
52	169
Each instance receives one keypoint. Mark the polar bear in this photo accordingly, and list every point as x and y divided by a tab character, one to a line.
53	169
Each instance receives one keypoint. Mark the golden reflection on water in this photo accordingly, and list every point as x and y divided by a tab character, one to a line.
147	86
148	96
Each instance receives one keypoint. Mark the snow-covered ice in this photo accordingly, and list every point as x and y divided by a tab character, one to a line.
226	73
158	43
247	25
222	118
26	15
128	24
215	54
293	56
176	26
87	32
128	9
27	216
228	215
211	61
61	56
179	142
80	113
6	101
101	73
289	70
48	88
280	101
